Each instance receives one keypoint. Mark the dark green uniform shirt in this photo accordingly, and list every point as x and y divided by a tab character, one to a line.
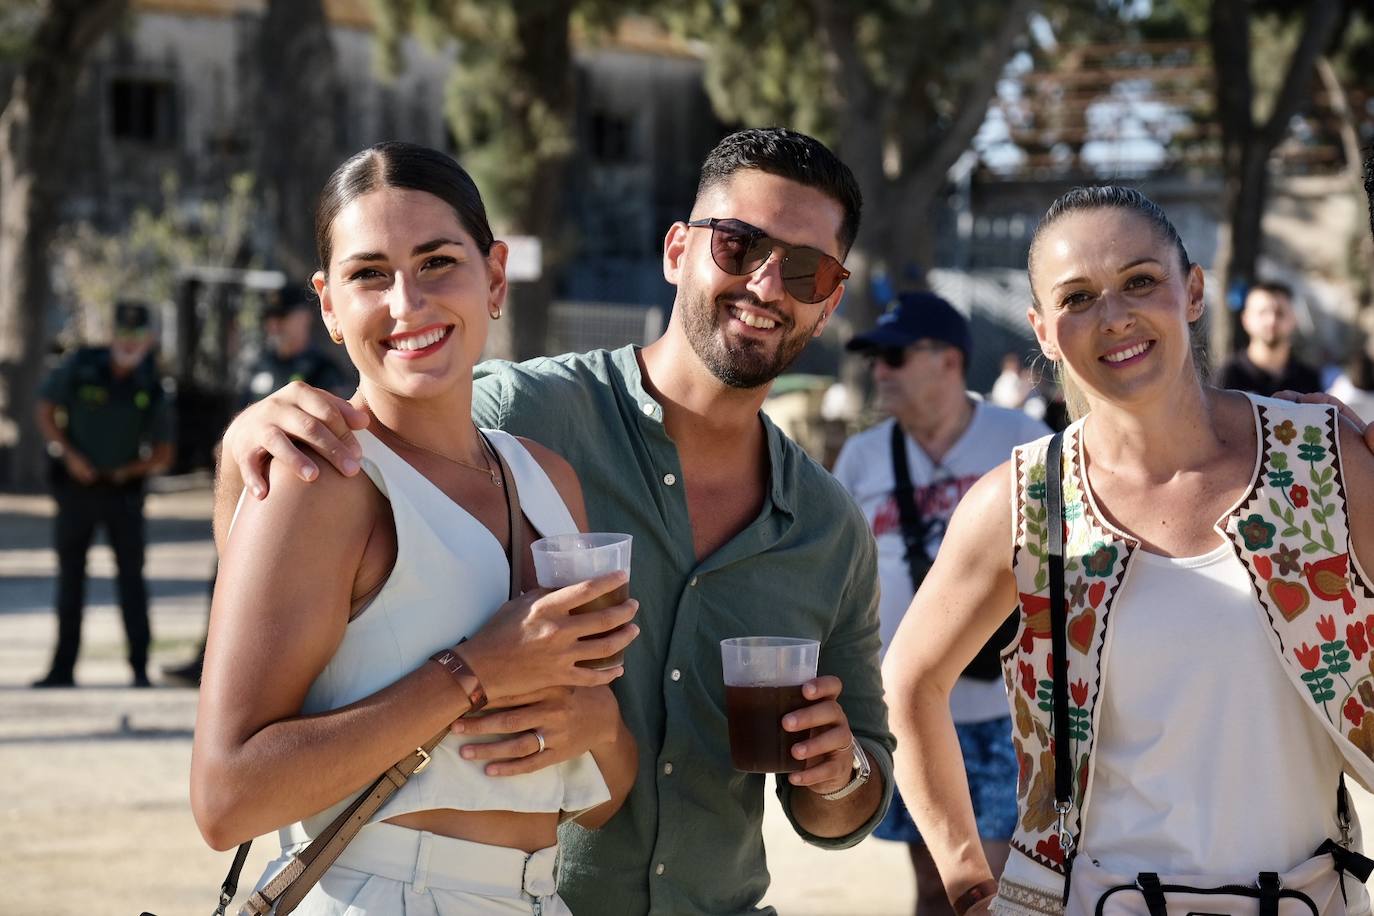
270	372
109	419
689	838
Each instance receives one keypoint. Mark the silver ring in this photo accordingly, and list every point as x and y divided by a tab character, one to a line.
538	736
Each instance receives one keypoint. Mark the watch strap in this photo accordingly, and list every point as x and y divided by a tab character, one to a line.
861	771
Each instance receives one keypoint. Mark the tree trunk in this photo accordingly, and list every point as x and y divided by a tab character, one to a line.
1247	146
32	128
295	99
543	33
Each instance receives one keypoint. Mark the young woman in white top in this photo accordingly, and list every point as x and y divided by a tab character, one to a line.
333	595
1212	715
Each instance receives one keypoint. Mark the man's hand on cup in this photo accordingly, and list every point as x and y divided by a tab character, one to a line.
534	642
829	750
544	728
295	414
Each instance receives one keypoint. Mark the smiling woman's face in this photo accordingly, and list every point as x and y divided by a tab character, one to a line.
409	291
1115	304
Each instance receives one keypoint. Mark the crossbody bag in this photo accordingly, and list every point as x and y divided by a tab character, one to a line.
1309	889
288	888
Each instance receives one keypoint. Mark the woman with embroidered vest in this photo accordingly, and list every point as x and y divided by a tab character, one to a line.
1219	621
339	606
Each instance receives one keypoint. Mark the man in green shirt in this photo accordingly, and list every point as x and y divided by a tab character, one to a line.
107	423
737	532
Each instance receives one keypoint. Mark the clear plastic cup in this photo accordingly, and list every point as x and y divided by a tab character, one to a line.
763	682
566	559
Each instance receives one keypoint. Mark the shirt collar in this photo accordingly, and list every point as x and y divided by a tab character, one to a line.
626	360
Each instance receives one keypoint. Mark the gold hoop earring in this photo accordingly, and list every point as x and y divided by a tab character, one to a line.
495	313
335	336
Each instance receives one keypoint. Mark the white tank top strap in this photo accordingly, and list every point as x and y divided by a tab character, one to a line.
539	498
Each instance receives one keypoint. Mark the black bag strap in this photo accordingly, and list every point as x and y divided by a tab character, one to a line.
1059	650
1149	885
288	888
1269	886
912	524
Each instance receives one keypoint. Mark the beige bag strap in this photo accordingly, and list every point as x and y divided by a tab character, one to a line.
289	887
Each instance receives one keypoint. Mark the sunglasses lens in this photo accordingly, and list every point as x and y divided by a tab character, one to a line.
737	250
894	357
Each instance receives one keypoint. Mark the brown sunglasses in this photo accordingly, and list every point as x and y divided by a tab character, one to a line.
739	249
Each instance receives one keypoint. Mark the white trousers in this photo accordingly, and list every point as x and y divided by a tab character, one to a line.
396	870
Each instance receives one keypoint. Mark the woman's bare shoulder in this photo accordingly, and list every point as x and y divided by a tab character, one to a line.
329	507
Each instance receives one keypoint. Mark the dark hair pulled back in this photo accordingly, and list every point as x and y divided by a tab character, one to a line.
394	164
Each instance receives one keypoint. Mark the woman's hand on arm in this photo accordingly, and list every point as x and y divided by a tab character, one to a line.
275	428
967	594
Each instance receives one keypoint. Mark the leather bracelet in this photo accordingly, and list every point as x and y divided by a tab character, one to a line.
980	891
467	679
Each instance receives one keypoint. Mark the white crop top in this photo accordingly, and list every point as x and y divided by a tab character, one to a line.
450	576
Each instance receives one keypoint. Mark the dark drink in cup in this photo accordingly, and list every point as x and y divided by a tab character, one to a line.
763	682
758	743
567	559
610	599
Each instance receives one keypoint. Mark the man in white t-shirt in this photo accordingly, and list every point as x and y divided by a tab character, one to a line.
919	352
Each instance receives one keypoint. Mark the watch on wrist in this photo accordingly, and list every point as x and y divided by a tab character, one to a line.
861	772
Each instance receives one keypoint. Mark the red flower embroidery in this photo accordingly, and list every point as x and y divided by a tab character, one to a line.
1355	640
1050	848
1326	626
1353	711
1079	690
1369	625
1027	677
1298	495
1308	656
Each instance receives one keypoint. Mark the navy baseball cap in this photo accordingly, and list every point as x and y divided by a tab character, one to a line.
131	316
916	316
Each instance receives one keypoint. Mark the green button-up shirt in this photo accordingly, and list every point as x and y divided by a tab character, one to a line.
689	838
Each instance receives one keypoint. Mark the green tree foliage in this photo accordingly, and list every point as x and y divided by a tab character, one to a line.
141	260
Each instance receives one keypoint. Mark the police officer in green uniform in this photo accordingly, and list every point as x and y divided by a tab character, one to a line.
107	423
289	355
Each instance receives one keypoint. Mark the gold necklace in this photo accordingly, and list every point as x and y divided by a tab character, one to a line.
489	470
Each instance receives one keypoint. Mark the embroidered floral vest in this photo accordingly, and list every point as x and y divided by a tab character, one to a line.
1289	532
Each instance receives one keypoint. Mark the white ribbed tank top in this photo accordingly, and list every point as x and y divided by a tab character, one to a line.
451	575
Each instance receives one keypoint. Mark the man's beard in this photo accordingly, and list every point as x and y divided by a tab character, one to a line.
749	364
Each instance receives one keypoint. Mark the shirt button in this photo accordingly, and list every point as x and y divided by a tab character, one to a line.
667	769
676	675
648	410
658	870
670	479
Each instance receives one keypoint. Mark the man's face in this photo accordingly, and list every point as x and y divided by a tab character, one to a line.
130	346
292	332
747	330
1268	317
928	369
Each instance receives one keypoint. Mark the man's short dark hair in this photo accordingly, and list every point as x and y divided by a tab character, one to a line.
1273	288
791	155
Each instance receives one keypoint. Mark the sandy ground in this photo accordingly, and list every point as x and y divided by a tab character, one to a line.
94	816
